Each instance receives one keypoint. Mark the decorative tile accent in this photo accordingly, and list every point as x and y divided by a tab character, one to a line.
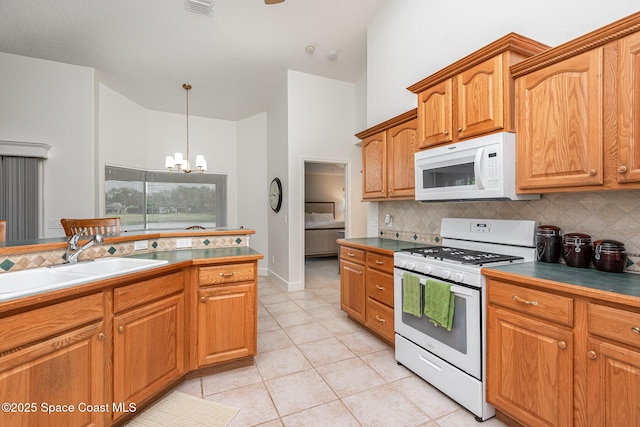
6	265
39	259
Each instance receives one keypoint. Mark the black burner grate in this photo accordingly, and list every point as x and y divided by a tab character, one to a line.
463	256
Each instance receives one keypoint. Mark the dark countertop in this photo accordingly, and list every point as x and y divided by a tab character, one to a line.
627	284
195	255
389	245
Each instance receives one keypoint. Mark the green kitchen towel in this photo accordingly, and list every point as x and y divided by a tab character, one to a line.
411	301
439	303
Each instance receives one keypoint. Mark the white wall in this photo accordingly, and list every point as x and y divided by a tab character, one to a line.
252	175
321	124
411	39
52	103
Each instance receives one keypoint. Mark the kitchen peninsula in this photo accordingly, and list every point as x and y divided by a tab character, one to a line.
130	338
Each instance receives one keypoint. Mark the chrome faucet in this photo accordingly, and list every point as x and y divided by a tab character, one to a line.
73	249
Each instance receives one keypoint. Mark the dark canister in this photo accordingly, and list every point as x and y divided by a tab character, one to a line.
548	243
609	255
577	249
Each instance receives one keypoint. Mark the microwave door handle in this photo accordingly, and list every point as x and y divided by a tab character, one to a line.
477	168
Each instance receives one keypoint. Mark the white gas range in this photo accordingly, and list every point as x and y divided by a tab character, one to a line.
454	361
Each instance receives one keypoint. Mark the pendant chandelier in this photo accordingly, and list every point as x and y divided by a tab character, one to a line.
178	162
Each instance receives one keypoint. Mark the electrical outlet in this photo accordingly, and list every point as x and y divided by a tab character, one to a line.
140	245
54	224
183	243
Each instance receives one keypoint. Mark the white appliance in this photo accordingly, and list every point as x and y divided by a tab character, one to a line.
454	361
481	168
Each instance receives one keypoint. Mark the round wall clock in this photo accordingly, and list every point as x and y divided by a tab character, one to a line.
275	194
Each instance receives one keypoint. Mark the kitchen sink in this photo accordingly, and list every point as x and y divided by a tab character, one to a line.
37	280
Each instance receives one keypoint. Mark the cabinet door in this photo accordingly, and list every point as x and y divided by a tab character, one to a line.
68	369
401	145
613	385
628	165
530	369
226	323
559	122
435	114
148	350
480	99
374	168
352	290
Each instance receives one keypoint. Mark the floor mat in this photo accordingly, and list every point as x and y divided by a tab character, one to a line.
183	410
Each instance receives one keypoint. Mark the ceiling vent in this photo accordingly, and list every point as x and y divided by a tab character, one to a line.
202	7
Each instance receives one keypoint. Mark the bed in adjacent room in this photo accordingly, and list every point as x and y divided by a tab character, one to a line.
321	229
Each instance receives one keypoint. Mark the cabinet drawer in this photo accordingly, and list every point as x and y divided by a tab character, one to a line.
227	273
35	325
540	304
146	291
380	286
614	323
380	262
380	319
351	254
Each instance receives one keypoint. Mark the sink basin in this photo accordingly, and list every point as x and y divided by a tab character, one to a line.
111	265
37	280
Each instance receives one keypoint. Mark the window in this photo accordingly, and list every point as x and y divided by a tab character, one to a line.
20	179
156	200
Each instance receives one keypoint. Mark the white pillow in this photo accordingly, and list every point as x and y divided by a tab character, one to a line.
321	217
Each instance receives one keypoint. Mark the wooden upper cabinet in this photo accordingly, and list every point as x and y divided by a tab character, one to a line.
560	139
473	96
401	146
577	107
435	115
387	158
480	100
628	165
374	173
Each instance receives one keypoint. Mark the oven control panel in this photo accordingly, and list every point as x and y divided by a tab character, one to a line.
464	274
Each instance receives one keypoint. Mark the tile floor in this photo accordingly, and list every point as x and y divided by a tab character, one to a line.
316	367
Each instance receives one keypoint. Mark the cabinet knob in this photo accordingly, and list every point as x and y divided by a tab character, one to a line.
592	355
593	172
121	329
351	254
562	344
459	129
635	329
227	274
380	288
379	262
101	336
446	132
203	299
381	320
622	168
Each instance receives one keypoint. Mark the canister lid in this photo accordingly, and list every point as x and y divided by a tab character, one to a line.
608	245
576	237
548	230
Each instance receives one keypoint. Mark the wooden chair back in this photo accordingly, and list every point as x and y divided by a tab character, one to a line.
90	226
3	231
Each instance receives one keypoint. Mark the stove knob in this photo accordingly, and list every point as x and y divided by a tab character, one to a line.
427	269
458	277
446	274
402	263
411	265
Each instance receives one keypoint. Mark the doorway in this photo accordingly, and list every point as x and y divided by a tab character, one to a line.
325	219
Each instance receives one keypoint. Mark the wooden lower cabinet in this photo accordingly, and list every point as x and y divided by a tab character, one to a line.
366	289
148	350
531	372
226	311
226	323
52	358
562	358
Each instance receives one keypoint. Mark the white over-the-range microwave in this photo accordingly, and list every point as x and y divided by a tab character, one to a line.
481	168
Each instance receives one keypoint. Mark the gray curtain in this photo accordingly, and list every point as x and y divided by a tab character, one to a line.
19	200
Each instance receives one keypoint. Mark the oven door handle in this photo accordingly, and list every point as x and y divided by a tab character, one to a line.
459	290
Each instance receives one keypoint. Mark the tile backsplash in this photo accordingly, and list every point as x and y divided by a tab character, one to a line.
603	215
